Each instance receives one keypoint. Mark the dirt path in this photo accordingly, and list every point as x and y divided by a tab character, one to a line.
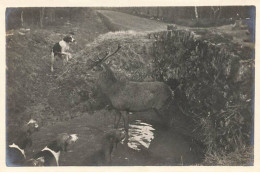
131	22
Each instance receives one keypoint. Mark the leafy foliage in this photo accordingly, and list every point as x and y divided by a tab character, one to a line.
214	87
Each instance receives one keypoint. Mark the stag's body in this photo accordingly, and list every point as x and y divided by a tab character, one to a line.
129	96
132	96
137	96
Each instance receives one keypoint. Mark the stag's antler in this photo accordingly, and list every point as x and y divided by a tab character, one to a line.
108	54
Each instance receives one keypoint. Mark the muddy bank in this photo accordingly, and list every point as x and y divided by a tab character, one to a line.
166	147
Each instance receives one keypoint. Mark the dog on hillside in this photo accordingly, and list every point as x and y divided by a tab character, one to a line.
61	49
49	156
16	151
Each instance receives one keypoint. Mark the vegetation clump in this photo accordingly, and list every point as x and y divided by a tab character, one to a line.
213	83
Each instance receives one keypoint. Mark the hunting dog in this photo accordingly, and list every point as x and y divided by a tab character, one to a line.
16	151
49	156
103	155
61	49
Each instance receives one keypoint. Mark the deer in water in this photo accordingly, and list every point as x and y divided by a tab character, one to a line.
130	96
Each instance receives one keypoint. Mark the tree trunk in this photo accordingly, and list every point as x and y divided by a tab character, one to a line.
41	17
51	14
157	12
196	13
22	23
219	13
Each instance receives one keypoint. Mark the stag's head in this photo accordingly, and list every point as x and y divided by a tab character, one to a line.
105	75
97	65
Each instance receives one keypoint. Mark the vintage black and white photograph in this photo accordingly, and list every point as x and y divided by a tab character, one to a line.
130	86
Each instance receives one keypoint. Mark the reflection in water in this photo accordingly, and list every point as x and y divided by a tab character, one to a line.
140	135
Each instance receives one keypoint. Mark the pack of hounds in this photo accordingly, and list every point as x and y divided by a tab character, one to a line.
49	154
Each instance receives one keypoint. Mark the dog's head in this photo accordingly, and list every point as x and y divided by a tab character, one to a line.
69	39
31	127
64	140
116	135
23	137
35	162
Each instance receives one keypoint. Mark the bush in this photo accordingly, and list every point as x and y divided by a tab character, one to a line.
215	86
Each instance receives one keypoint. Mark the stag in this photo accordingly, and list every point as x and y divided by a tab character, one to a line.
130	96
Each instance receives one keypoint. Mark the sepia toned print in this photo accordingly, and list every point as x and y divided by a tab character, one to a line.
130	86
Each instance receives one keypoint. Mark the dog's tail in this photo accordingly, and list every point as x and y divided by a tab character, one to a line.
52	60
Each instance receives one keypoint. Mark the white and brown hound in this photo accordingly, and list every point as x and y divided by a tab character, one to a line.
103	155
16	151
61	48
49	156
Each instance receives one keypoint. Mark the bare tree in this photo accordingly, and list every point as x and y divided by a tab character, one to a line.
196	13
216	12
41	16
51	14
22	22
219	13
